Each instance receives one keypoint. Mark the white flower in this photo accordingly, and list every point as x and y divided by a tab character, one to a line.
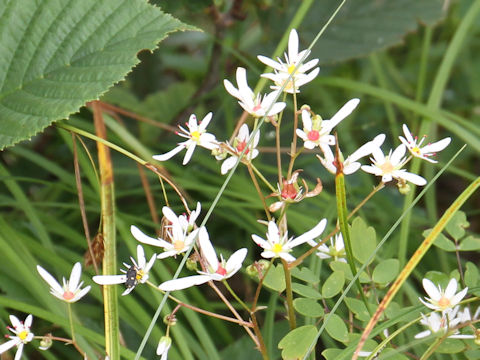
239	143
215	269
179	237
163	347
443	322
428	150
22	335
279	245
196	135
390	167
351	164
317	132
283	70
442	300
138	272
336	250
255	105
71	290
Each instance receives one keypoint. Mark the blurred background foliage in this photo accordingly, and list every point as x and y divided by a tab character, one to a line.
375	50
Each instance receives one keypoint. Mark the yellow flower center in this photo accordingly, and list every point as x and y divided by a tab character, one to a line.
178	245
416	150
277	248
140	275
195	135
23	335
444	303
291	68
387	167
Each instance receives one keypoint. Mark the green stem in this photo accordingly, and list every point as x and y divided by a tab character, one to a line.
288	289
343	221
264	180
235	296
112	338
70	318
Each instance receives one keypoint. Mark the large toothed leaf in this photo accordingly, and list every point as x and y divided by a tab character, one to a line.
55	55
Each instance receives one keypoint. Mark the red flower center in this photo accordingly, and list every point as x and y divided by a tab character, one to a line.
221	271
241	145
68	295
289	191
313	135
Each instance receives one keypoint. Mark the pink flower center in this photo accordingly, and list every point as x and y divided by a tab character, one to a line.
313	135
289	191
444	303
257	108
68	295
221	271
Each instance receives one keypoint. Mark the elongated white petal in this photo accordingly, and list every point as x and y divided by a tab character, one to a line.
183	283
109	279
50	280
141	257
273	233
269	62
287	257
228	164
413	178
28	321
170	154
436	146
15	322
398	154
310	235
293	45
207	249
457	298
431	289
232	90
18	354
75	277
451	288
8	345
235	262
189	153
260	242
343	113
140	236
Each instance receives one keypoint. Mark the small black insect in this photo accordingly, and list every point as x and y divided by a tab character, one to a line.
131	277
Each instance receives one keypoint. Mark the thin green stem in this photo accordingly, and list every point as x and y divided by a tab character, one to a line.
70	318
289	291
264	180
235	295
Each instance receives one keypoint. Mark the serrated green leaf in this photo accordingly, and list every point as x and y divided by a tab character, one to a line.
305	274
308	307
358	308
364	240
296	343
336	328
333	285
471	275
386	271
306	291
343	267
56	55
469	243
275	278
457	225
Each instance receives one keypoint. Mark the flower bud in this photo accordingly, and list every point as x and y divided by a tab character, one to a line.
191	264
46	342
403	187
164	345
170	320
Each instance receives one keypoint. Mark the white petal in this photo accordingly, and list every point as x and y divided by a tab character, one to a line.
273	233
451	288
287	257
15	322
82	293
228	164
307	120
235	261
261	242
457	298
75	277
436	146
293	45
422	334
408	135
343	112
207	249
8	345
141	257
50	280
170	154
18	354
149	265
140	236
269	62
28	321
267	254
109	279
183	283
192	122
413	178
311	234
231	89
276	108
431	289
243	87
398	154
189	153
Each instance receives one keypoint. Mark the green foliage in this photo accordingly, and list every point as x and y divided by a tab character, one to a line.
363	240
336	328
386	271
52	63
275	278
333	285
308	307
296	343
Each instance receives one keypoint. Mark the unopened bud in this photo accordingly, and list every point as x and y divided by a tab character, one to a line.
305	107
191	264
403	187
46	342
316	122
170	320
163	345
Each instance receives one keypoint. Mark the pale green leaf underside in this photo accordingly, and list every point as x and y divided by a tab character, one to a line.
55	55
